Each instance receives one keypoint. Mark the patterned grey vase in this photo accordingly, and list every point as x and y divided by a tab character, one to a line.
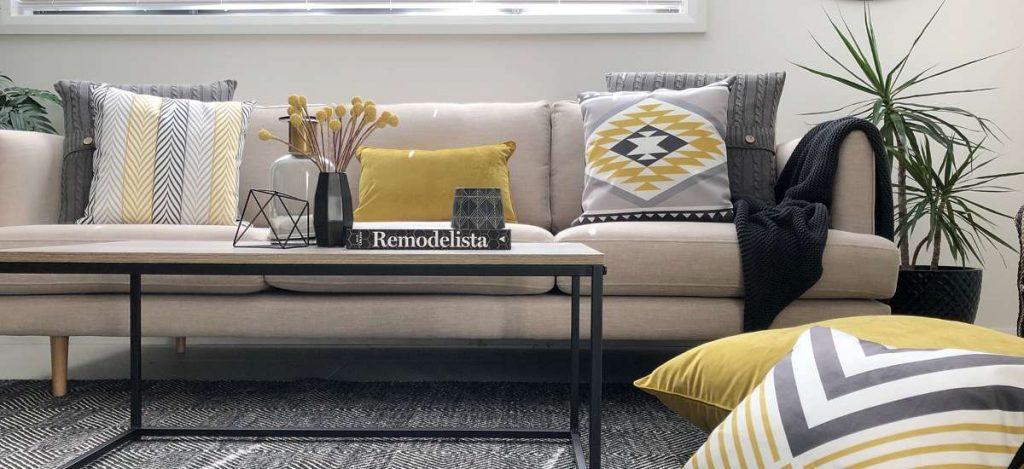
478	208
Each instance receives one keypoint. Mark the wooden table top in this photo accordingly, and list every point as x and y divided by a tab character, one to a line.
221	252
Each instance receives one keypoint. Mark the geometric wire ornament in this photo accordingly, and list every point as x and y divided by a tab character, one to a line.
295	211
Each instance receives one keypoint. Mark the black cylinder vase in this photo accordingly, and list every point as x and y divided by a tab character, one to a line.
332	209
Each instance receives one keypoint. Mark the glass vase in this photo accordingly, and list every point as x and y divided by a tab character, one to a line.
296	176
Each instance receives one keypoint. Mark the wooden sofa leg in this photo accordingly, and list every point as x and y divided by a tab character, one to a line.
59	365
179	344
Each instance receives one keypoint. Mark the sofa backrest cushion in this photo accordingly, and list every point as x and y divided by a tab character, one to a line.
432	126
567	164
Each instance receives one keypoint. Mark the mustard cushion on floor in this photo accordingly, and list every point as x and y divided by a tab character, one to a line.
705	384
837	401
419	185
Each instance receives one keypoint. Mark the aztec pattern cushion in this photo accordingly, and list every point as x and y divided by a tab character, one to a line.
839	401
750	136
165	161
77	170
656	156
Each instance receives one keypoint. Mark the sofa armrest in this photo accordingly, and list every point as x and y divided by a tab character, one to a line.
30	165
853	195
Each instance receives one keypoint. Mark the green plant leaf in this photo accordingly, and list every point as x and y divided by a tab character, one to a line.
844	81
943	93
897	71
950	69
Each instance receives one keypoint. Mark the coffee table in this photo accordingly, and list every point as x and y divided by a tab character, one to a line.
138	258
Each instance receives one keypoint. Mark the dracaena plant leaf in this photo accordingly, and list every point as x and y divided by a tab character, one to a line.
932	189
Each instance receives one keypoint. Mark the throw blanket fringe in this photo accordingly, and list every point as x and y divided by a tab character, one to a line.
781	245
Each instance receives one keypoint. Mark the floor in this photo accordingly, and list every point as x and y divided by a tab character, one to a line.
92	358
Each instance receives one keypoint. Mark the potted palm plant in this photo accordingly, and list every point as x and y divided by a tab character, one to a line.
24	108
929	192
939	202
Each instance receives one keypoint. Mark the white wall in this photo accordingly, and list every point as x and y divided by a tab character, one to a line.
744	35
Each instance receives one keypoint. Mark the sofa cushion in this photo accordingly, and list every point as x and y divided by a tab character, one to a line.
753	106
656	156
705	383
468	285
703	259
392	177
165	161
50	235
76	177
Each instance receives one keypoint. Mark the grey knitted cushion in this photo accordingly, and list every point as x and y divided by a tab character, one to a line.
750	135
77	168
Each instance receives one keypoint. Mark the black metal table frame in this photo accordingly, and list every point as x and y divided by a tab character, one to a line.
137	430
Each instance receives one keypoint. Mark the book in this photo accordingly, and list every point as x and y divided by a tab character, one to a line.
429	239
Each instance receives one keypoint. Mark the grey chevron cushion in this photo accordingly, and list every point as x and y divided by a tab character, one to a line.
77	168
750	136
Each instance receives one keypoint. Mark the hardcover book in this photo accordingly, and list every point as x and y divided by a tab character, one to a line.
429	239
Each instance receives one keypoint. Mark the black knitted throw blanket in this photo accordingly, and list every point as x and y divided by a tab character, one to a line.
781	245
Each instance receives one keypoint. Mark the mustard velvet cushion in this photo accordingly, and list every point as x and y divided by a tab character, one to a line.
705	384
419	185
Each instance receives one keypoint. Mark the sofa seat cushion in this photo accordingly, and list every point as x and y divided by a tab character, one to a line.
448	285
703	259
50	235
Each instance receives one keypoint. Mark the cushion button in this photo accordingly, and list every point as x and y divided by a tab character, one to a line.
750	139
87	141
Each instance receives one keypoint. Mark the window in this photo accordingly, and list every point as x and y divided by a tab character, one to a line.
350	16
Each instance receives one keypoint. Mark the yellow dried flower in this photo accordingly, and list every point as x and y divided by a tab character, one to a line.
293	101
265	135
371	112
329	110
356	100
357	109
339	110
334	125
322	116
295	120
293	110
302	102
393	121
369	102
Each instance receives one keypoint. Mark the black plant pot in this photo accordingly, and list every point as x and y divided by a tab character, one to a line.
332	209
947	293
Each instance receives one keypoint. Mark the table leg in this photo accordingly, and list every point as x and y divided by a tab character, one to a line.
136	350
596	377
574	346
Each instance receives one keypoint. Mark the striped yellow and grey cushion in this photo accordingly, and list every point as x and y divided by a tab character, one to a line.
838	401
165	161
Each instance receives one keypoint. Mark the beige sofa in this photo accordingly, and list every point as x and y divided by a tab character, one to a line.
667	282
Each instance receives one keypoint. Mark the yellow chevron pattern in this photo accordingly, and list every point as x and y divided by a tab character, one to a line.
140	160
227	127
782	424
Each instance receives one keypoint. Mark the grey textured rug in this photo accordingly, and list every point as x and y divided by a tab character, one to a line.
37	431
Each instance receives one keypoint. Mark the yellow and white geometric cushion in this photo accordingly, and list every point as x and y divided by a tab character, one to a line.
838	401
165	161
656	156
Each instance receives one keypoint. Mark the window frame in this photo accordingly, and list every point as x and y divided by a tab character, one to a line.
693	21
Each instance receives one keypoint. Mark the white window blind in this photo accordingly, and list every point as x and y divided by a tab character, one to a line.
290	17
466	8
